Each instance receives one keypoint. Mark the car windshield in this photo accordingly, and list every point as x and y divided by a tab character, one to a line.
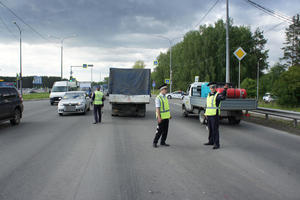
74	96
59	89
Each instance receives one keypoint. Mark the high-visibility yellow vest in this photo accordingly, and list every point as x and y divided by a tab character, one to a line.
211	105
164	108
98	98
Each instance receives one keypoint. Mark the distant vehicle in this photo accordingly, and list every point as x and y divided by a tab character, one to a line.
268	98
175	95
11	105
129	91
59	89
74	102
87	87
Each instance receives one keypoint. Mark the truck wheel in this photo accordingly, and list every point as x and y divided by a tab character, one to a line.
184	112
60	114
17	117
169	97
201	117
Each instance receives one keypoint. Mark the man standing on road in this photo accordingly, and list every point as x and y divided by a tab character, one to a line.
212	113
163	115
98	99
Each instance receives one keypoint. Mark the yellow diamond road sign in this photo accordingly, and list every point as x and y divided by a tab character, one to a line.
239	53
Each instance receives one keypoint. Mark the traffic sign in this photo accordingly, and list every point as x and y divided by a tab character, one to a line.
240	53
167	81
155	62
153	84
196	78
84	66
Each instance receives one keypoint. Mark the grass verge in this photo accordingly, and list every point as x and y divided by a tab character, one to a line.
276	106
32	96
276	123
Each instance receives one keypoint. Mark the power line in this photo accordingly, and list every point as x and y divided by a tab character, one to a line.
270	12
209	10
34	30
7	28
272	28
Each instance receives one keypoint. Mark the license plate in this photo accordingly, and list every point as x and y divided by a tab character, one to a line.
70	108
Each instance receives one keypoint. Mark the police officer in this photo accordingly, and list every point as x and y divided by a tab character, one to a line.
163	115
98	99
212	113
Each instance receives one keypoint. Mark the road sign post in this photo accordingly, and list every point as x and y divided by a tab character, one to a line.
240	54
153	85
167	81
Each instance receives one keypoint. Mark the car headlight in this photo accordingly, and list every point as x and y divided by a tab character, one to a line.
80	103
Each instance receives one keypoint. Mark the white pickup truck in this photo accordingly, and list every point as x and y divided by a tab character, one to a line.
232	109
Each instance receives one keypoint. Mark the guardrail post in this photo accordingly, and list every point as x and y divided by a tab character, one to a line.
267	116
295	123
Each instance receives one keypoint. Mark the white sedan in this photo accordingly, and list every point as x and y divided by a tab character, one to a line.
74	102
175	95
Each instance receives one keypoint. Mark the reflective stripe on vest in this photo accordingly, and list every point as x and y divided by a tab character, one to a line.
211	105
164	108
98	98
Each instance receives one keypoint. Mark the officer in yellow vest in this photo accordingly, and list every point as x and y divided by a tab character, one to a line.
163	115
212	113
98	99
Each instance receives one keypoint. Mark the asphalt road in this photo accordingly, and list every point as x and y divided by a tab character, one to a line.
48	157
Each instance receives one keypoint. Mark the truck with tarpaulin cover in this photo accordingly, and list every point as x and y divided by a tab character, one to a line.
129	91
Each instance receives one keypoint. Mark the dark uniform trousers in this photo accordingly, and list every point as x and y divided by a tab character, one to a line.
162	131
97	113
213	127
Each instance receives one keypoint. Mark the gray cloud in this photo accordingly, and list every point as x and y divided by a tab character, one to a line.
121	31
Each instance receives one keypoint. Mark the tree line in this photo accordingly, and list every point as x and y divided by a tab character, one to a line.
202	53
27	81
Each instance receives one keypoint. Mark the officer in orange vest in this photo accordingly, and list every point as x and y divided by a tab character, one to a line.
212	113
162	115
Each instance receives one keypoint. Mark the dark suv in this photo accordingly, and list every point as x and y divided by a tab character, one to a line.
11	105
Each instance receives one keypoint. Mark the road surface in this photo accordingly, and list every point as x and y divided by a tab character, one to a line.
48	157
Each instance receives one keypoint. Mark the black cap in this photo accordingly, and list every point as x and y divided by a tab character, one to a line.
163	86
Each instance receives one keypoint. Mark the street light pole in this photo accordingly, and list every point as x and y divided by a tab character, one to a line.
21	90
61	58
62	52
170	66
171	72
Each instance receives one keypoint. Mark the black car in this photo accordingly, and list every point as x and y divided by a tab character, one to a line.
11	105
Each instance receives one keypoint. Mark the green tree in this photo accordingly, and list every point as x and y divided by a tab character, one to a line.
250	86
267	81
139	64
292	49
287	87
202	53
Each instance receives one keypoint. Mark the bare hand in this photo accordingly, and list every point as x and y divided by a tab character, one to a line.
226	86
159	120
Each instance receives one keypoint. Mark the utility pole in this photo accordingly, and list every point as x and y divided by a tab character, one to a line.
257	89
227	44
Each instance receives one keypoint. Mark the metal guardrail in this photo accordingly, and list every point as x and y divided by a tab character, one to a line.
295	116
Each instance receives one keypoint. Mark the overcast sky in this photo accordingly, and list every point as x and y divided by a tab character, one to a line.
116	33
